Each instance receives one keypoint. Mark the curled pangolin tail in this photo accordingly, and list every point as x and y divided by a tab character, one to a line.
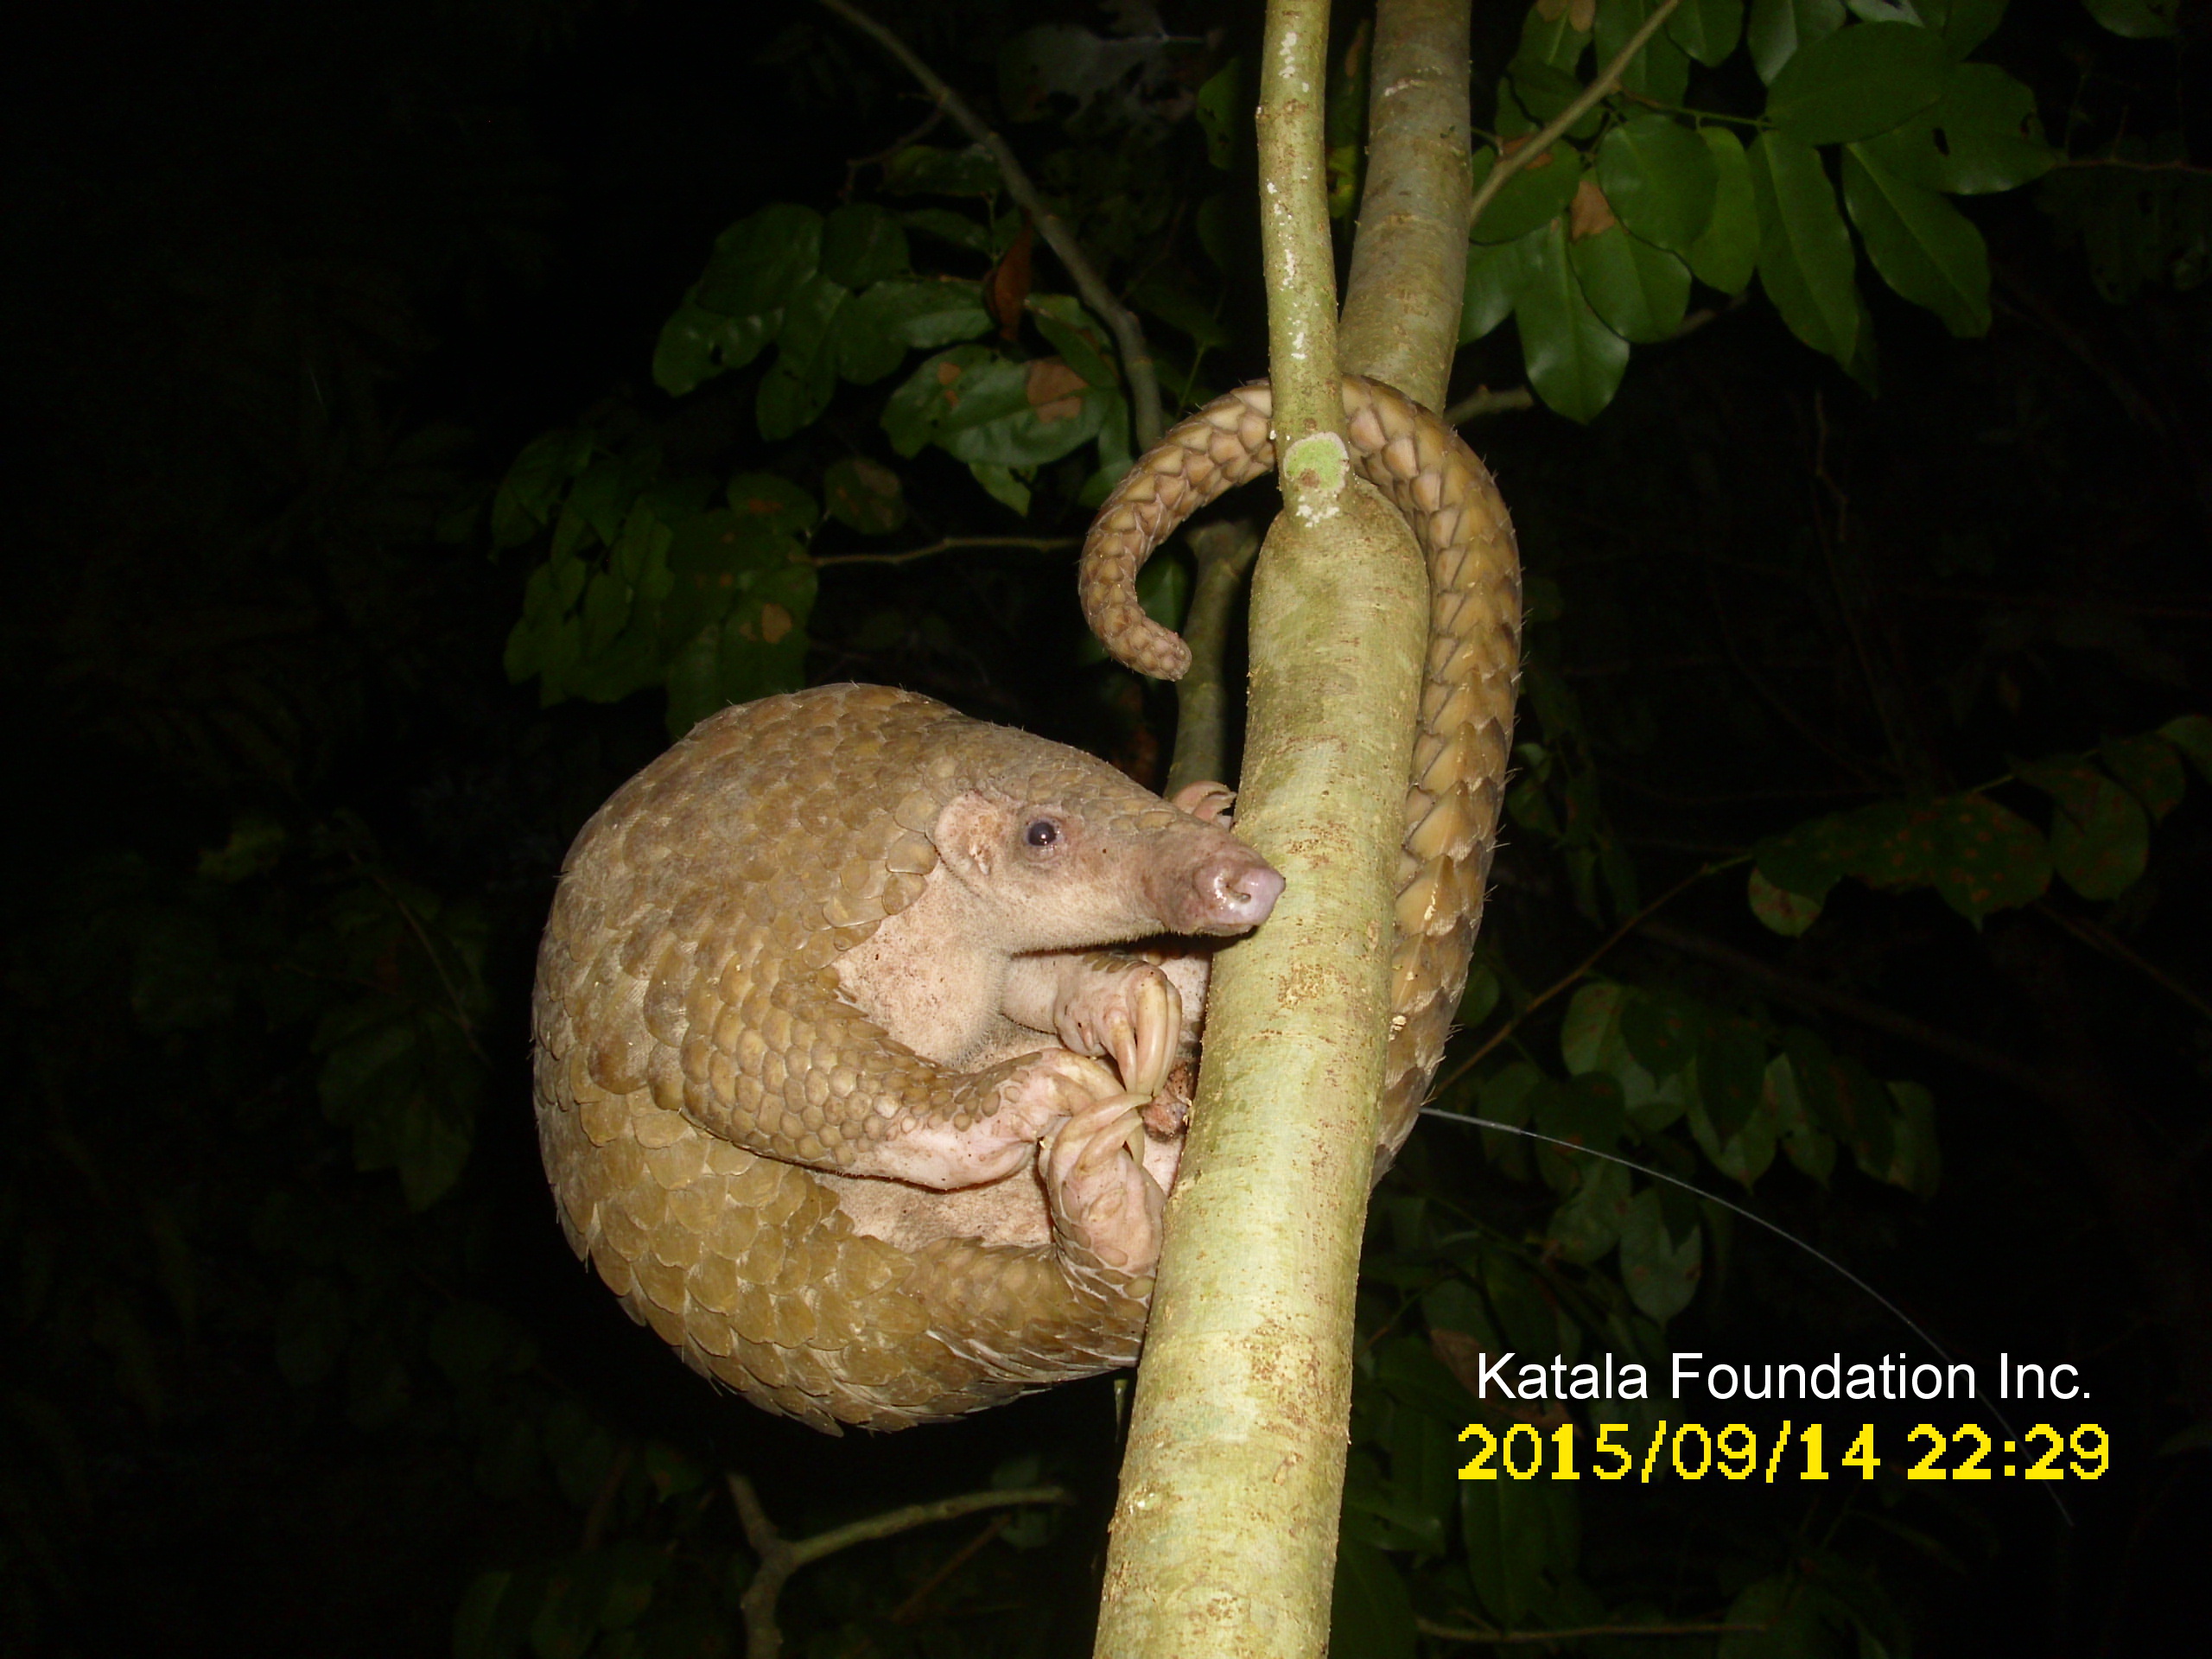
1465	735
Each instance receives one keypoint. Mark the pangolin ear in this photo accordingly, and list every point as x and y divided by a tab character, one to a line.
970	831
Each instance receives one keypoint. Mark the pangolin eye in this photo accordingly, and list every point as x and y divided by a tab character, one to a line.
1042	833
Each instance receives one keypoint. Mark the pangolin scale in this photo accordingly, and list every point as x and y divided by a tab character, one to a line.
732	1137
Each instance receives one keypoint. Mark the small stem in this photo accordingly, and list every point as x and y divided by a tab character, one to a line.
1128	333
1483	401
1609	78
1224	553
947	544
780	1557
1576	973
2101	938
1297	250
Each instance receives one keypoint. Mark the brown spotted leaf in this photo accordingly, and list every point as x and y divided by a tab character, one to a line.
2099	836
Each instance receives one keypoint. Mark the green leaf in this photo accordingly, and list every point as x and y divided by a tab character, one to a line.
758	262
2151	770
1224	107
535	484
1078	337
1731	1072
2192	735
795	392
1726	253
1805	258
1588	1035
861	244
1017	415
1916	1161
1980	137
1156	297
601	496
1779	28
1660	1275
2100	836
1856	82
1574	362
683	357
864	494
1555	41
1532	92
1587	1112
1638	291
1659	1033
1660	179
1707	30
1372	1611
1924	248
1002	485
1843	1097
2139	20
1531	197
1114	458
1661	71
924	312
717	545
1495	273
773	506
718	559
929	395
958	229
1788	913
405	1081
862	352
1588	1223
1985	857
927	170
1522	1538
1967	23
1811	1148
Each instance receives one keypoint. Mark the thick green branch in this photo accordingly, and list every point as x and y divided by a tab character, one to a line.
1298	256
1401	314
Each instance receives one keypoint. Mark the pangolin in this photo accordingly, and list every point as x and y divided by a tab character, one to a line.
822	1011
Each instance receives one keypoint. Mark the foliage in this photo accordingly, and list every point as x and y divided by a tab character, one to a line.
1591	247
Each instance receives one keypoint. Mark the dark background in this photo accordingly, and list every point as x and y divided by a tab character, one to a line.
288	288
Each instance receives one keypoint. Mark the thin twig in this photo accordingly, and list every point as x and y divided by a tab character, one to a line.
1786	986
780	1557
437	965
1128	333
2104	940
1576	973
1609	78
946	544
1508	1638
854	166
910	1609
1482	401
1223	553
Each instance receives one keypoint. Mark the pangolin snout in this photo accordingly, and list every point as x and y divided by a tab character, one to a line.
1229	890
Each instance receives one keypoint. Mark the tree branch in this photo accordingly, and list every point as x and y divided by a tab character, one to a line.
1608	80
1128	333
780	1557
